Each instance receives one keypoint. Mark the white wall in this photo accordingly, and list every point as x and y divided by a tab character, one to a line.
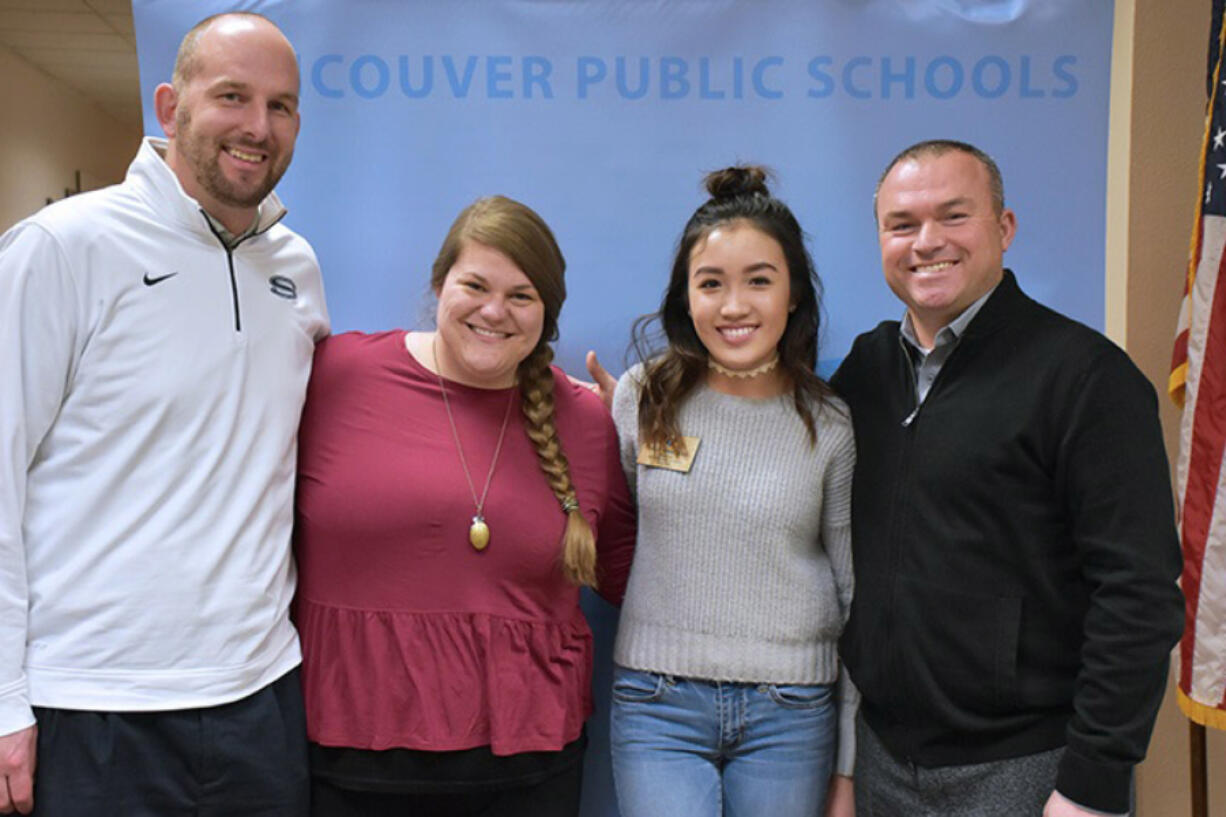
48	131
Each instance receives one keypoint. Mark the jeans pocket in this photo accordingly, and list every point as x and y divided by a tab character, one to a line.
632	686
801	696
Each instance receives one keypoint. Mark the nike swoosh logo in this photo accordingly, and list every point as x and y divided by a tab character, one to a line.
151	281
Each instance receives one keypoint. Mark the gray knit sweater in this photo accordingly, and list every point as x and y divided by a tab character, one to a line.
742	571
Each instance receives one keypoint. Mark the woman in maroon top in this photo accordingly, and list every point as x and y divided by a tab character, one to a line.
454	493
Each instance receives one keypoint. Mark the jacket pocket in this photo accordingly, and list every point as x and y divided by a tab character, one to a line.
957	649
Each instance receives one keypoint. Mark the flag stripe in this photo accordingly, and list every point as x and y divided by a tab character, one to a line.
1198	383
1204	440
1205	636
1179	356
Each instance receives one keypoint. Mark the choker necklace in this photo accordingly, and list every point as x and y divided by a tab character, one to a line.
745	373
478	531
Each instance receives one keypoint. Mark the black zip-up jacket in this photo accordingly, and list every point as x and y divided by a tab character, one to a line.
1015	549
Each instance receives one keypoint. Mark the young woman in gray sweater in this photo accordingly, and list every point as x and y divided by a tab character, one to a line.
727	696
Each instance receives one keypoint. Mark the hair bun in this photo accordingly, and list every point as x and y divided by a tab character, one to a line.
742	180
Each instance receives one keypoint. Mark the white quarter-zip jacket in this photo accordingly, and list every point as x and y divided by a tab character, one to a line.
151	382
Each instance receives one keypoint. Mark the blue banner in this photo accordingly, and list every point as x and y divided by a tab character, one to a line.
604	114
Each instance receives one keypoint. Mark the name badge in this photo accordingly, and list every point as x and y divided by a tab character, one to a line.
670	458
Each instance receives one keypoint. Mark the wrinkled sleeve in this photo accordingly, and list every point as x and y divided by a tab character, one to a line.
616	536
1114	476
626	418
836	539
38	336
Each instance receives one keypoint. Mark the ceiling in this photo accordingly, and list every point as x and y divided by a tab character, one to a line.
88	45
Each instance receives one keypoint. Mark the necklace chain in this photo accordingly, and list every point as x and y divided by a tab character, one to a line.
455	435
726	372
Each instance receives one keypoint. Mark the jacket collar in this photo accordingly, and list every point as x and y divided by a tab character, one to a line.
1000	308
158	185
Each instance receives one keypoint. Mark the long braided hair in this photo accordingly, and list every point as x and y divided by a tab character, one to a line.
519	233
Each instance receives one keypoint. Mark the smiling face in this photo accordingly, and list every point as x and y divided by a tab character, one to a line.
942	242
490	318
232	122
739	295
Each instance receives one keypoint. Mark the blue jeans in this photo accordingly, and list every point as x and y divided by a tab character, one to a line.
685	747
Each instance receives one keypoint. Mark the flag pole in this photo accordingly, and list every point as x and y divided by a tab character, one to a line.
1200	780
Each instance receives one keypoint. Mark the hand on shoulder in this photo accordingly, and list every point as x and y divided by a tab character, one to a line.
603	383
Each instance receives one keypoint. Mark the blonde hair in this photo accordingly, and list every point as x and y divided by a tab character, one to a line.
519	233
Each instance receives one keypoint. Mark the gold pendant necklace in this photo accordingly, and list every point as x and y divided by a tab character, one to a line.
478	531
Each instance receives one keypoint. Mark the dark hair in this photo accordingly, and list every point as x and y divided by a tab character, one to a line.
519	233
939	147
671	374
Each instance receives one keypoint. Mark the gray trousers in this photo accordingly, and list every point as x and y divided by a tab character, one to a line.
887	787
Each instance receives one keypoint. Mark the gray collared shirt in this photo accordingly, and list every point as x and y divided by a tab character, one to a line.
228	238
928	362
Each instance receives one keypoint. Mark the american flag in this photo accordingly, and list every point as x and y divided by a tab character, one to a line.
1198	384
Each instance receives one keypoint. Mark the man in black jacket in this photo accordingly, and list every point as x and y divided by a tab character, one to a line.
1015	549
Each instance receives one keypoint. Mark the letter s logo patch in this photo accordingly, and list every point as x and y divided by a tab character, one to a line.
283	287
